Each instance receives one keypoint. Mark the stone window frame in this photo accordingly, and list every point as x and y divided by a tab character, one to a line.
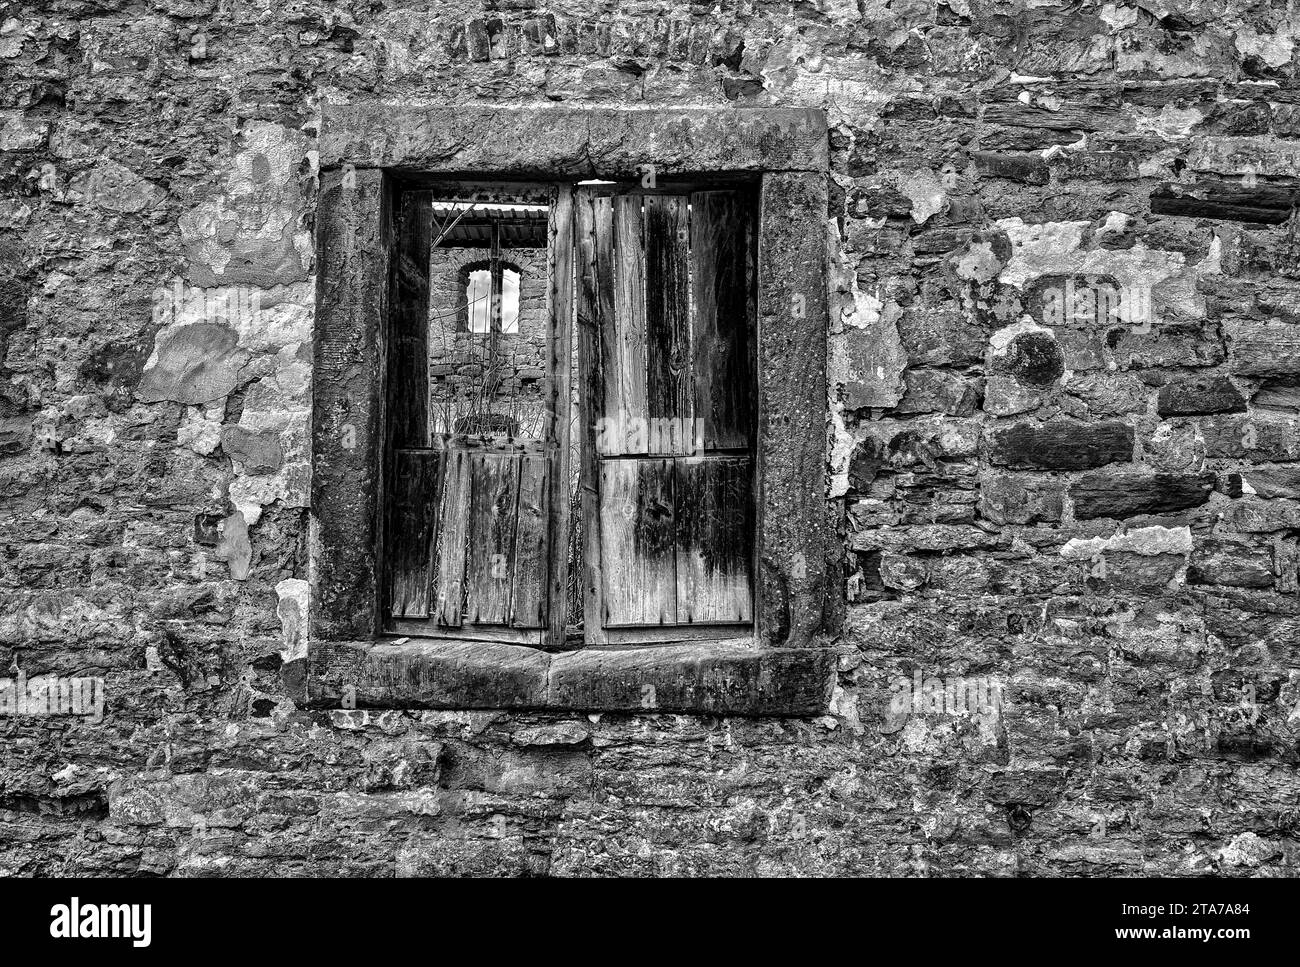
788	666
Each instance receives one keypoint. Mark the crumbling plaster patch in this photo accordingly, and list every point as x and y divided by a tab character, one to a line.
1056	248
926	193
200	427
294	595
1274	49
1148	541
195	363
1245	154
253	233
244	324
278	408
867	358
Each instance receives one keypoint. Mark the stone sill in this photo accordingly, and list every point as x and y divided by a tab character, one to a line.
731	677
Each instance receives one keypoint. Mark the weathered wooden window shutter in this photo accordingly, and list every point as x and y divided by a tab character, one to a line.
469	536
666	325
470	519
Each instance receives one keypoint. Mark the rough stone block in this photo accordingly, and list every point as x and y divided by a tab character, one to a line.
1061	445
1028	169
1228	561
939	391
1016	499
1200	394
1258	436
1122	495
1264	348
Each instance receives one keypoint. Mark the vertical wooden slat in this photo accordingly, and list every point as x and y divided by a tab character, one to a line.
723	316
408	327
413	522
529	572
593	231
669	386
453	535
561	261
493	500
406	381
714	502
638	548
623	341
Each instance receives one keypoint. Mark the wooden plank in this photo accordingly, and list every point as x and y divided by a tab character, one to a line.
530	573
670	394
561	260
452	537
410	522
413	521
623	339
723	322
479	444
493	511
594	236
675	634
715	540
407	381
428	628
638	558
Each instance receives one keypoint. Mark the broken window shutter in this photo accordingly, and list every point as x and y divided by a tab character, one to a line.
506	569
491	551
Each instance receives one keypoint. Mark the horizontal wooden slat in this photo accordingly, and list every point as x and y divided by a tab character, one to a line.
429	628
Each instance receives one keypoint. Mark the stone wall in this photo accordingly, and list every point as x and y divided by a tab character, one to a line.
1062	440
